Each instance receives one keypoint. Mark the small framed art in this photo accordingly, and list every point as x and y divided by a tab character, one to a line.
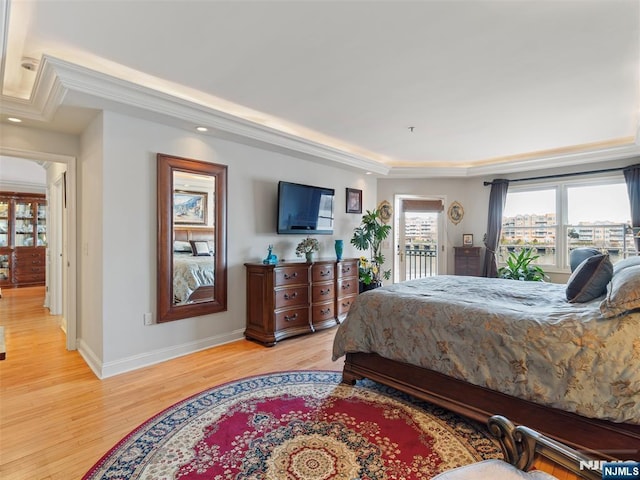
189	208
354	200
467	240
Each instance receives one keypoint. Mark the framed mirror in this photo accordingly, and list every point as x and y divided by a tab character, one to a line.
192	238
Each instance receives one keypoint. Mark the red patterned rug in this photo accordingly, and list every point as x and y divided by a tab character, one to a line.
301	425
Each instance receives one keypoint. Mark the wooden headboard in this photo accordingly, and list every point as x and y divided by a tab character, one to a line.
185	234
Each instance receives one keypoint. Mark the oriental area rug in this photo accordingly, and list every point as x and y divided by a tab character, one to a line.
302	425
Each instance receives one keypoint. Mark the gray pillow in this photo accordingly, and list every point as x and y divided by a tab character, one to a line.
627	262
580	254
623	294
200	248
590	279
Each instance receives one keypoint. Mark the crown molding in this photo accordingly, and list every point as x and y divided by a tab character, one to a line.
58	78
541	163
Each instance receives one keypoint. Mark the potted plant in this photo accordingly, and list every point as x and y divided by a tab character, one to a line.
307	247
519	267
369	236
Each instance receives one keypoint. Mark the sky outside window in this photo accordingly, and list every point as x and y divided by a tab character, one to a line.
599	204
536	202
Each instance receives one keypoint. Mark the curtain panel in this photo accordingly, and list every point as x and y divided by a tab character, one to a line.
632	178
497	199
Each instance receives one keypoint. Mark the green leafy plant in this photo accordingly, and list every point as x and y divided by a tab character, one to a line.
519	267
306	246
369	235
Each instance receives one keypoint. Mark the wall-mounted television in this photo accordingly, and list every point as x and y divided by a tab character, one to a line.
305	209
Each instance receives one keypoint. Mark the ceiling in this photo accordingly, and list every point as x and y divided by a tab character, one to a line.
445	88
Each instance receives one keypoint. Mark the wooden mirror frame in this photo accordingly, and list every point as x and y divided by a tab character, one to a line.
167	309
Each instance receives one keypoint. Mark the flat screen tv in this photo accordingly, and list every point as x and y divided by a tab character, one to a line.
305	209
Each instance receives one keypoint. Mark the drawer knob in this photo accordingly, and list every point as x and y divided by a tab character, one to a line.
346	269
291	318
325	312
346	286
325	273
291	296
290	276
325	292
346	304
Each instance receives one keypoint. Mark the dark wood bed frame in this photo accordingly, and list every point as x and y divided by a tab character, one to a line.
596	438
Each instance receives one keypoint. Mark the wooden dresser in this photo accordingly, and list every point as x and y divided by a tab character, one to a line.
468	261
293	298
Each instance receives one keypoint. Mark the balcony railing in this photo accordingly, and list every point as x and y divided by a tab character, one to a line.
420	261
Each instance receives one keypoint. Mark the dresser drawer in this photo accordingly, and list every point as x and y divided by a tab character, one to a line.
291	297
347	286
296	317
322	311
322	292
29	257
29	262
467	251
29	277
322	272
344	304
29	270
293	275
348	269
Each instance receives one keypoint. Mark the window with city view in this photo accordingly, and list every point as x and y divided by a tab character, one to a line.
554	219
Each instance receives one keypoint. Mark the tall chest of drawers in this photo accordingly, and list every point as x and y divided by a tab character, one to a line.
293	298
467	261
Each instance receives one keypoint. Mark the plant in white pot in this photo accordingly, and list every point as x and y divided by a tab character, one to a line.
368	236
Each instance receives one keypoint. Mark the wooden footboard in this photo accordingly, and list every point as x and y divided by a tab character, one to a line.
596	438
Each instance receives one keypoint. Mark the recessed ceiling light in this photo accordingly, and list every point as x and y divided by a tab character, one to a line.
14	119
367	173
202	129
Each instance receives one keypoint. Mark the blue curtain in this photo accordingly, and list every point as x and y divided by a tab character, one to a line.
497	199
632	177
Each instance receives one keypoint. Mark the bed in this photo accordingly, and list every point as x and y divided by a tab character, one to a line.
193	275
481	347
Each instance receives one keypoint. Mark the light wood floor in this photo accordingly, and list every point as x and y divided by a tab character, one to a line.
57	419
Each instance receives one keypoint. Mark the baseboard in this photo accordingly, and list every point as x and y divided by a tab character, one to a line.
109	369
90	358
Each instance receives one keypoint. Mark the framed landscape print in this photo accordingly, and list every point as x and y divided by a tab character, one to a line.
189	208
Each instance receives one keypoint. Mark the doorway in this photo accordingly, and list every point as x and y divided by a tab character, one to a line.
69	231
420	237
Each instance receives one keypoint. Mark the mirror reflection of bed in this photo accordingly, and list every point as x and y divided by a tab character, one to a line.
193	265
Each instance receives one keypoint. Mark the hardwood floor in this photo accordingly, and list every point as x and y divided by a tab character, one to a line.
57	419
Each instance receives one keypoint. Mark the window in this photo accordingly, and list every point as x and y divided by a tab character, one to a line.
555	218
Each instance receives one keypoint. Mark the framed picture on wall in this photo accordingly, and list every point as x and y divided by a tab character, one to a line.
189	208
467	240
354	200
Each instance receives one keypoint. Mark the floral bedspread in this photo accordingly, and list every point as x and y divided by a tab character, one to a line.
189	273
520	338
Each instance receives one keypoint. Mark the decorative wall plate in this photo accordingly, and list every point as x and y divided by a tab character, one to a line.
455	213
386	211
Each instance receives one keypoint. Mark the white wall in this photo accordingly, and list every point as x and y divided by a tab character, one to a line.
20	175
91	276
118	184
470	193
